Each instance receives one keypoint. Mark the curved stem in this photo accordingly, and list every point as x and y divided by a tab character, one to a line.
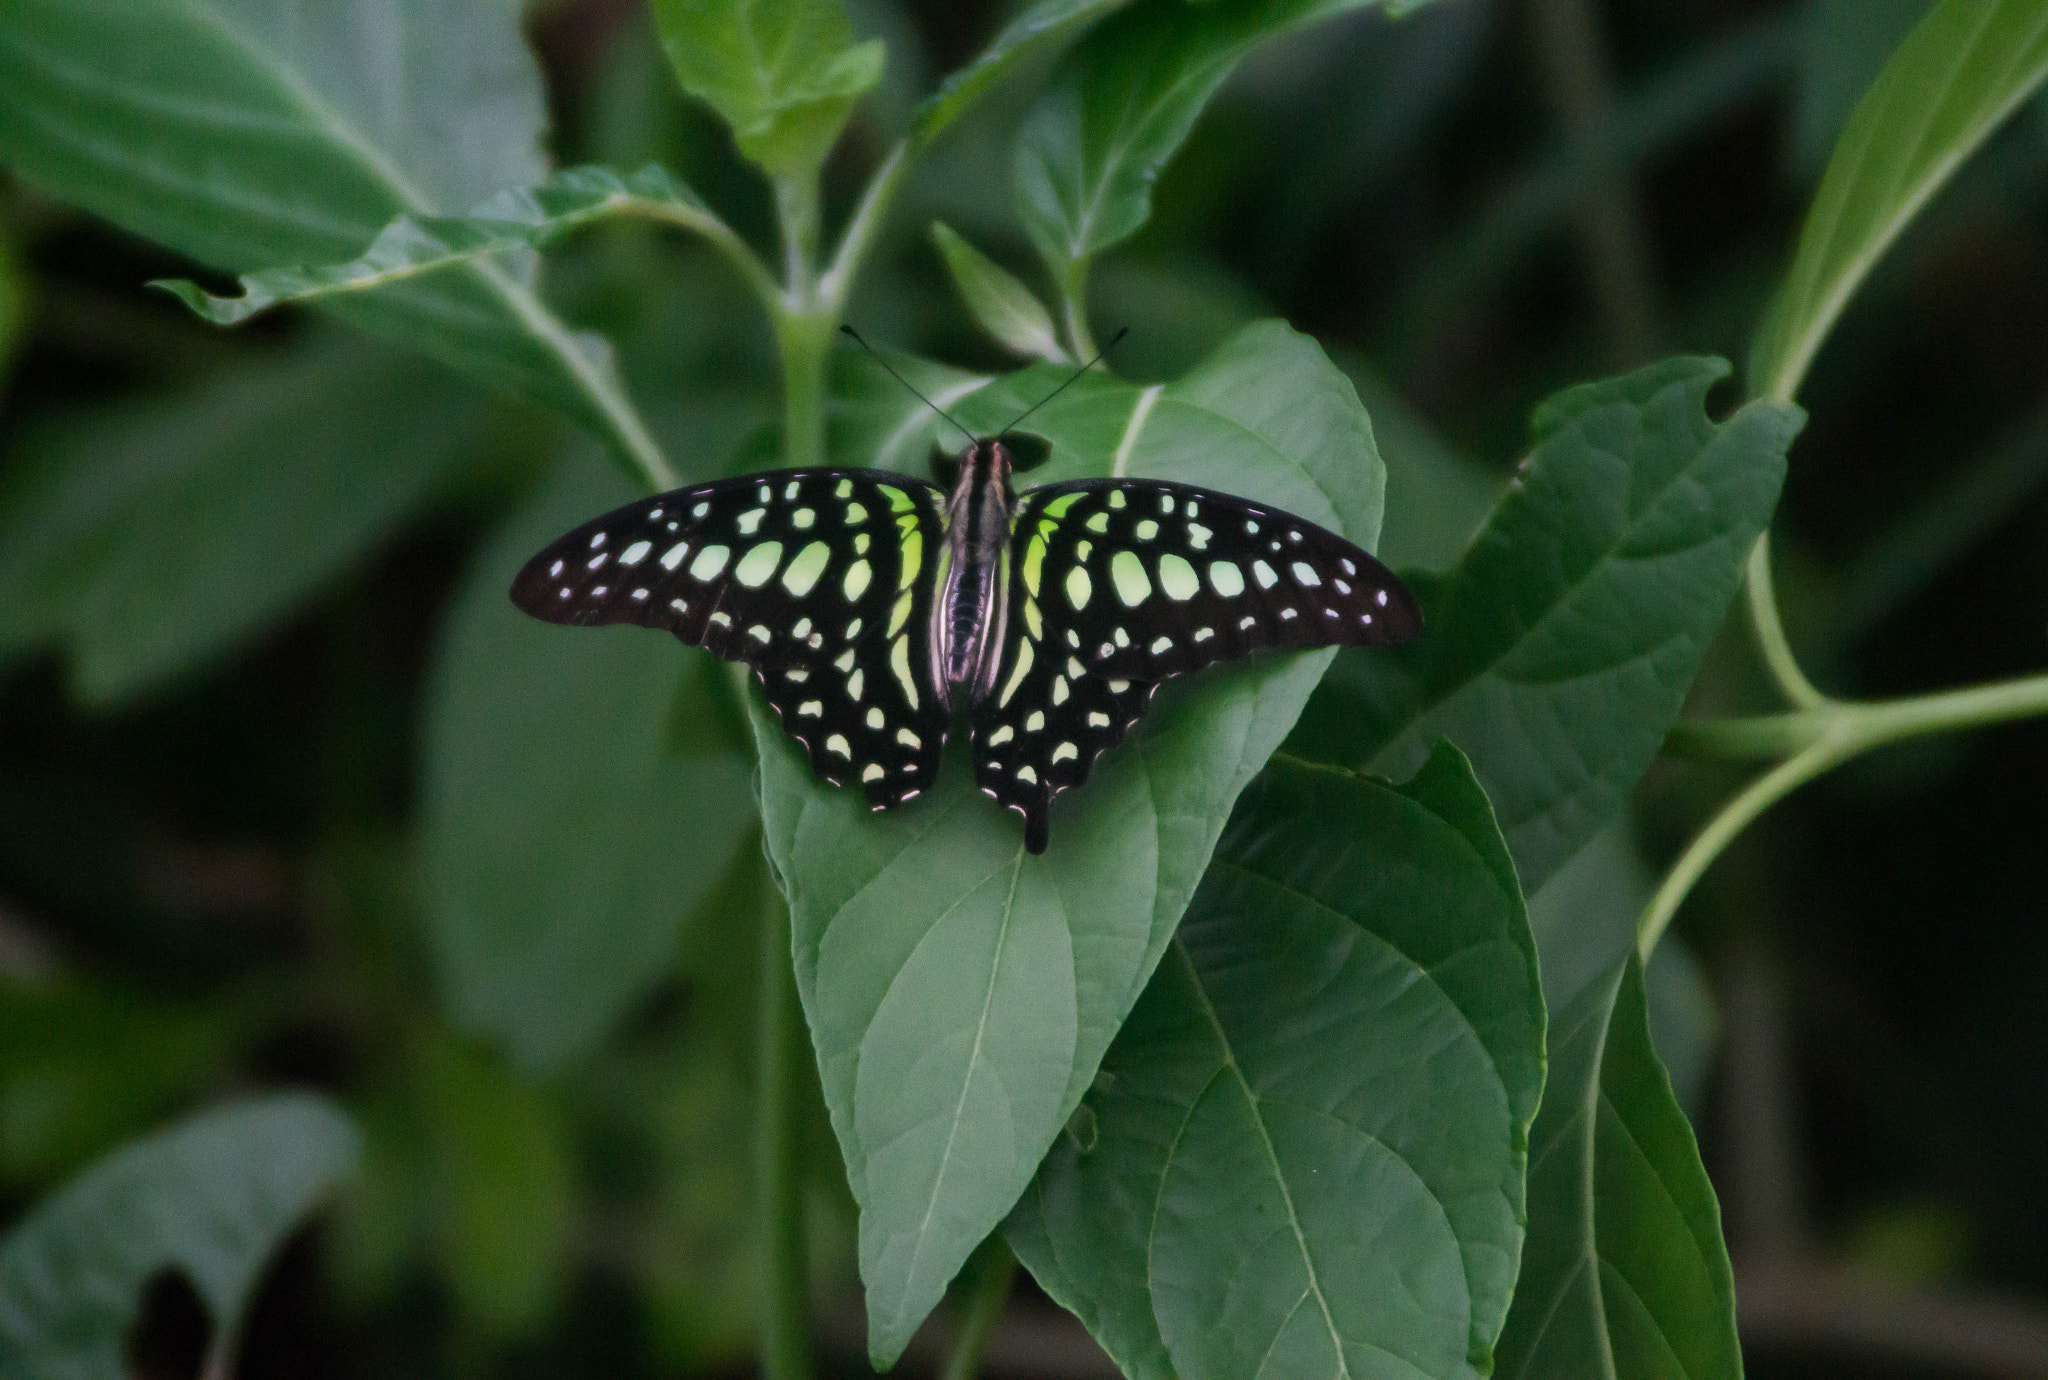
785	1301
859	235
1817	739
1073	286
1721	831
1770	631
997	1268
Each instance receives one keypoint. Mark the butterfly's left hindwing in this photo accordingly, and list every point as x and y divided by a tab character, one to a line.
1116	585
819	579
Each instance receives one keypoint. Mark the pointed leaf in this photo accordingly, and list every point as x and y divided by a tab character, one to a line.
212	1197
518	218
582	795
249	134
1957	76
1003	306
1040	27
1121	108
1304	1154
153	539
783	73
960	991
1625	1273
1558	653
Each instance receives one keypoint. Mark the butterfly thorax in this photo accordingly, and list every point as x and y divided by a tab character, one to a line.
968	610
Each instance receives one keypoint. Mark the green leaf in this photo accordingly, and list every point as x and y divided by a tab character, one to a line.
960	991
583	791
248	134
410	246
1002	305
13	305
1304	1154
165	534
1624	1273
783	73
1957	76
1121	107
1038	29
211	1197
502	1188
1557	654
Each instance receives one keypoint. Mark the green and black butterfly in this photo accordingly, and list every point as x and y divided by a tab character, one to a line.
876	608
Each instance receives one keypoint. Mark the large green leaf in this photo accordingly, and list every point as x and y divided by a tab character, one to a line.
960	991
517	218
211	1197
1624	1275
1039	28
249	134
154	538
1304	1154
1121	108
1557	654
583	791
783	73
1956	77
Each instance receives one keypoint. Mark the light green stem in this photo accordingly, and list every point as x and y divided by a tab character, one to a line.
1770	631
1813	740
785	1301
1073	286
992	1270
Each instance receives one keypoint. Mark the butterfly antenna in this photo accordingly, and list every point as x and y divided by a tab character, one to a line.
971	437
1077	374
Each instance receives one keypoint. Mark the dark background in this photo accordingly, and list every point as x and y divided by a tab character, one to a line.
1470	208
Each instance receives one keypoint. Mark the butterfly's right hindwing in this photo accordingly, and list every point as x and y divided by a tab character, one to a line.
819	579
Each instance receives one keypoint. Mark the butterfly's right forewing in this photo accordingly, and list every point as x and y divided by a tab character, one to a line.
819	579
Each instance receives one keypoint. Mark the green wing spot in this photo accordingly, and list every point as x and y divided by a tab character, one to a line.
804	570
758	565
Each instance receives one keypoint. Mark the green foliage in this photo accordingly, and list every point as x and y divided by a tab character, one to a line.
1598	580
960	991
1304	1153
1624	1273
152	540
783	73
1965	68
276	136
1248	1067
1122	106
211	1197
999	303
579	802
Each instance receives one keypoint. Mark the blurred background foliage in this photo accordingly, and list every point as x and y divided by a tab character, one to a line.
241	658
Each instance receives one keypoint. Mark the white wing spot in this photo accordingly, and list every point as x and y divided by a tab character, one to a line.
789	491
758	565
1106	650
797	674
1025	773
871	772
1097	719
555	570
856	584
837	743
749	522
1306	574
1293	534
1116	498
1246	623
1065	752
700	510
1059	690
1123	639
654	515
709	562
679	606
1117	687
1035	721
1166	503
673	557
875	718
845	661
1251	528
722	619
1000	736
803	517
1342	586
639	594
908	739
1178	578
1078	588
1264	574
1204	634
597	541
845	488
760	634
1380	598
766	494
598	593
855	515
598	560
860	543
1287	615
1099	522
853	630
802	628
635	553
854	684
1198	536
1073	638
1349	568
1145	530
1160	644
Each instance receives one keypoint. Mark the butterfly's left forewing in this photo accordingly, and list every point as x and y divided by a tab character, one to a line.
821	580
1117	585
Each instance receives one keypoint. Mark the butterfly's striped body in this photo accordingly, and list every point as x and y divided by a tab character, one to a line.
969	611
876	609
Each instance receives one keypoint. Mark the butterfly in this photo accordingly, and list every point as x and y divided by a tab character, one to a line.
875	609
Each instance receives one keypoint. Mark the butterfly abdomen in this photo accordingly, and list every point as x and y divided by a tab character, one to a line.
969	608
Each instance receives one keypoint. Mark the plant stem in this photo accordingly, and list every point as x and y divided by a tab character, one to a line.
1817	739
785	1301
1073	286
993	1268
1770	631
805	341
859	235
